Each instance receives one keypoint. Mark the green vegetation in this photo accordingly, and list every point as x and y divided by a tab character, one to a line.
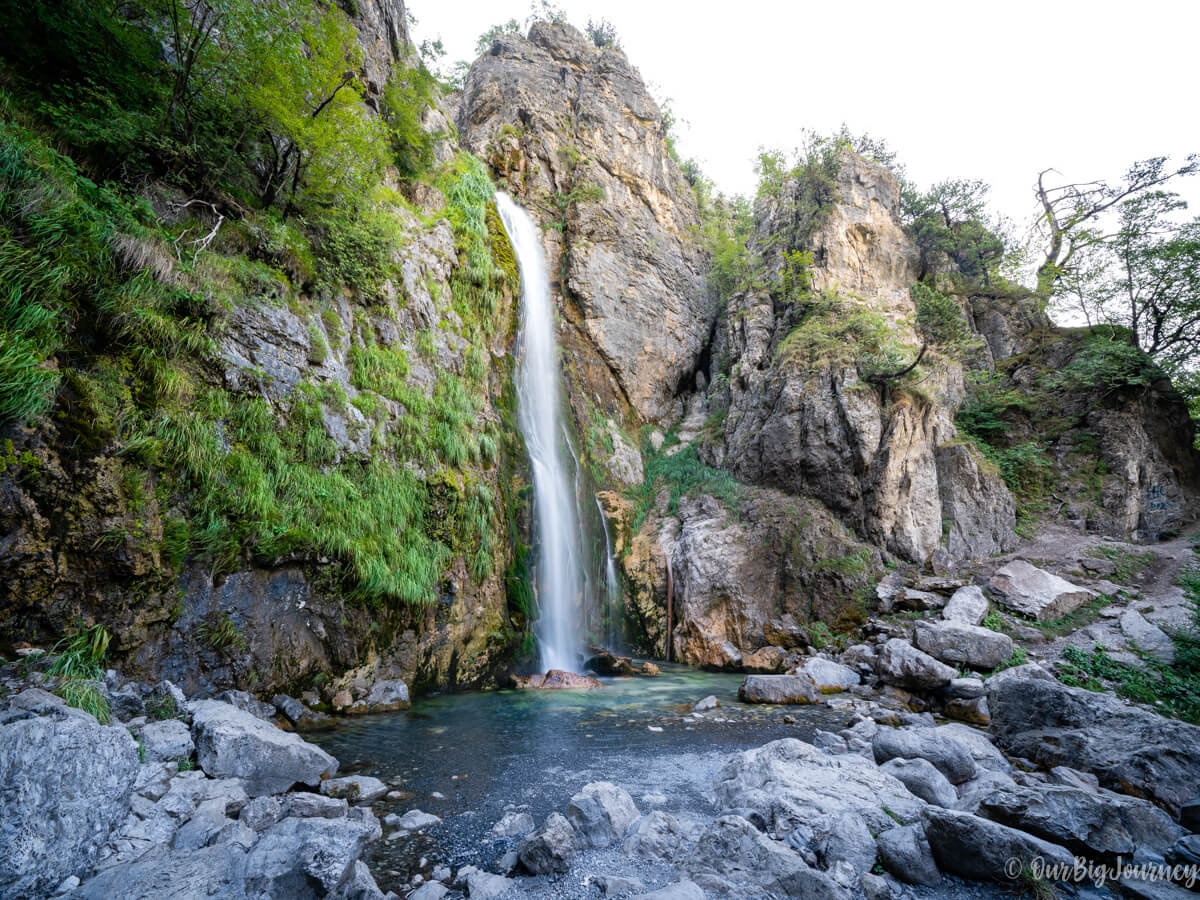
1172	689
110	311
1130	565
1018	658
680	474
218	632
951	227
79	667
941	321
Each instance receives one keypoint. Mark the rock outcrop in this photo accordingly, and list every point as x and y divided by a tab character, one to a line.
573	133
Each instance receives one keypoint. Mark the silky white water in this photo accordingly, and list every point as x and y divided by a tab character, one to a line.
558	576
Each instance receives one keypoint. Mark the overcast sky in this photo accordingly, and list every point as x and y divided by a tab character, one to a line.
957	89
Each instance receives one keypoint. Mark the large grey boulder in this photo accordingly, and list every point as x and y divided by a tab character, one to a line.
981	850
167	740
905	853
924	780
782	689
231	741
734	858
487	885
513	824
679	890
947	754
1018	673
968	606
295	854
1036	593
901	664
1087	822
601	813
301	716
827	675
216	871
969	645
551	849
387	695
1131	750
65	785
788	783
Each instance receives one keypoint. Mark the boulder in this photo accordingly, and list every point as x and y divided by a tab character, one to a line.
948	755
230	741
656	835
923	779
787	783
415	820
354	788
969	645
785	632
974	711
968	606
901	664
551	849
1128	749
513	824
705	704
1085	821
829	676
387	695
430	890
765	660
304	805
1147	637
488	886
557	679
966	688
917	600
1035	593
167	740
981	850
204	825
65	785
618	885
1026	670
782	689
293	854
262	812
600	814
248	702
905	853
748	863
215	871
301	716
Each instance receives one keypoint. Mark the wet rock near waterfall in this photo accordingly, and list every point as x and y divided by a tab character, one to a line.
600	814
513	824
1036	593
354	788
706	703
779	689
558	679
603	662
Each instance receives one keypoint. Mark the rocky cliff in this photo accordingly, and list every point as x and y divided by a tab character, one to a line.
571	131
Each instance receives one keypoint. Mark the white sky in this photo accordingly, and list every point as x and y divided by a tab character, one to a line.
996	91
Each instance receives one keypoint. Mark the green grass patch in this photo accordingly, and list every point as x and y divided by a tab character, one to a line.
682	474
1130	564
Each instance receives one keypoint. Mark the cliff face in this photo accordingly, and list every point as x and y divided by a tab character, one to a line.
571	131
886	460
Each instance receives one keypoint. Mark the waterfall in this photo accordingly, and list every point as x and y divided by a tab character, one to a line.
558	577
612	588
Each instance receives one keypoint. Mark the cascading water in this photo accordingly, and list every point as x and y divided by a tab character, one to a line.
558	579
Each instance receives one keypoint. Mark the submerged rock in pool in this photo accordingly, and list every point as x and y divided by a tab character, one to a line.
557	679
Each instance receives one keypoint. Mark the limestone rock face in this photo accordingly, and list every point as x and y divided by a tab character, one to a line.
65	784
889	466
740	579
579	141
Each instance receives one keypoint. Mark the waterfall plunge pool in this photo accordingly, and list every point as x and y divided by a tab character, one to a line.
494	752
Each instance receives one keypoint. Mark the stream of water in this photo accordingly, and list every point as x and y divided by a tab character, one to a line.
558	578
469	758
